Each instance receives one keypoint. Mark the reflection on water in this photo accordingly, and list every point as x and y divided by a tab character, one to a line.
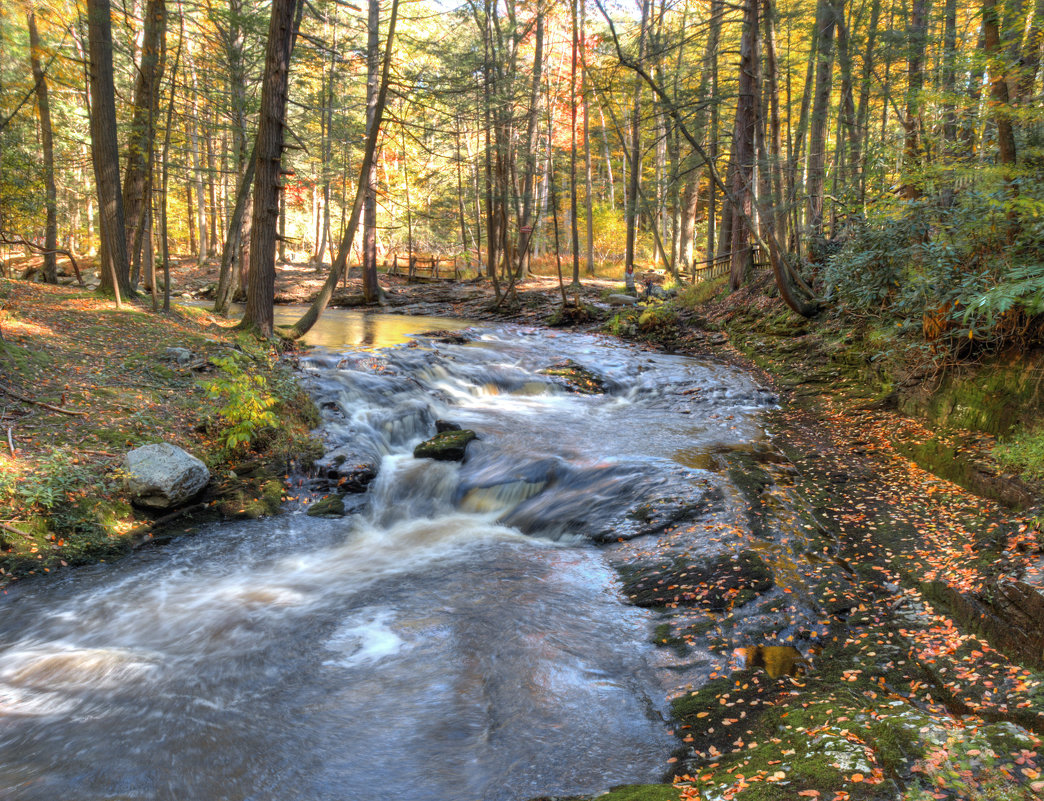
340	327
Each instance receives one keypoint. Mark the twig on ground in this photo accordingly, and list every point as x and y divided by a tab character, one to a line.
17	531
7	390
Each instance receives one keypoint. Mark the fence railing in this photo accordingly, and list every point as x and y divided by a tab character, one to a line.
414	266
721	265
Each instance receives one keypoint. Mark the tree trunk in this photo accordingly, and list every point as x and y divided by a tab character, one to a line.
574	225
588	199
373	62
50	264
142	136
529	169
917	40
826	22
998	82
114	268
743	155
282	32
636	158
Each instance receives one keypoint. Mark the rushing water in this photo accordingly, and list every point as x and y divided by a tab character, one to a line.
459	637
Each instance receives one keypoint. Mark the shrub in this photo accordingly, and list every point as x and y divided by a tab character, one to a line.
247	403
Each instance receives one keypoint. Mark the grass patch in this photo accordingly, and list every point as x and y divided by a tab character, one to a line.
1023	453
693	296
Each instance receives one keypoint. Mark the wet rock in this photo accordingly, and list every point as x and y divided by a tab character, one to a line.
716	584
448	446
576	377
1009	613
330	506
656	516
446	337
442	426
622	300
163	476
347	471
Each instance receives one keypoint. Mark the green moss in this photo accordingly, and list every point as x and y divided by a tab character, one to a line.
642	792
895	744
449	446
330	506
1023	453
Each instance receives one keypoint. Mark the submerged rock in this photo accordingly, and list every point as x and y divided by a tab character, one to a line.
722	582
162	476
448	446
576	377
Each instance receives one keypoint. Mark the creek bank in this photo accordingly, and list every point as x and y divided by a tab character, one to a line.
912	595
84	384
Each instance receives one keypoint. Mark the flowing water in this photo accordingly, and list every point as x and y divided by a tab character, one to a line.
458	637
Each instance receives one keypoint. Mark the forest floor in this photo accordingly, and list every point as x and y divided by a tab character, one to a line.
81	383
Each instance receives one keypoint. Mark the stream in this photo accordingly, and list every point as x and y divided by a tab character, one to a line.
459	635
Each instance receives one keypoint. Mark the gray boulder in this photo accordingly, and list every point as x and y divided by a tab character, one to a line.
180	355
622	300
163	476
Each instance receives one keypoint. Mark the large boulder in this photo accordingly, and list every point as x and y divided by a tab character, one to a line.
163	476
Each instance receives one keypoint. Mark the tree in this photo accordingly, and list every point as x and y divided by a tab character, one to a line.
50	268
373	61
340	265
137	181
282	32
114	268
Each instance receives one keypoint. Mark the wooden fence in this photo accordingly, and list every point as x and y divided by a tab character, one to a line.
721	265
432	268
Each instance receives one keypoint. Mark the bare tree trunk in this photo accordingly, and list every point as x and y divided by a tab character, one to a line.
165	171
573	222
233	239
50	265
373	62
529	174
998	82
197	172
282	31
857	156
208	150
917	36
142	136
743	155
113	266
826	22
588	200
636	158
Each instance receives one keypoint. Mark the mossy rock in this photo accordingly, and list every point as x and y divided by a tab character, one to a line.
576	377
449	446
330	506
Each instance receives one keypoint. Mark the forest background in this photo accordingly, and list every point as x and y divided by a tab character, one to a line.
882	155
